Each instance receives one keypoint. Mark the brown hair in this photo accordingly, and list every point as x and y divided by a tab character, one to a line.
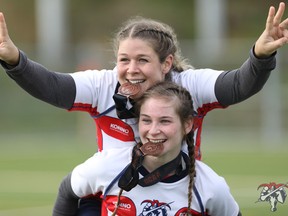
160	35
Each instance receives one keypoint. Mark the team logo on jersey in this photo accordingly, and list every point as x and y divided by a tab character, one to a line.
115	128
273	193
155	208
126	206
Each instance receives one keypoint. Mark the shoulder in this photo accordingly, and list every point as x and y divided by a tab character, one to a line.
196	80
119	158
96	77
107	161
214	191
207	177
210	183
200	83
90	74
99	82
195	74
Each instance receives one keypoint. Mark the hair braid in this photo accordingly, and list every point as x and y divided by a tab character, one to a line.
191	168
118	202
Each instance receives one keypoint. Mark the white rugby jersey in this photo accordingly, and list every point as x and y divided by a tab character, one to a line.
163	198
95	89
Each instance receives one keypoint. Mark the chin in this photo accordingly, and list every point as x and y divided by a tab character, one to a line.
137	95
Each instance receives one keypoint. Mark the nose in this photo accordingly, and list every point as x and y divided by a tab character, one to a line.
133	67
154	130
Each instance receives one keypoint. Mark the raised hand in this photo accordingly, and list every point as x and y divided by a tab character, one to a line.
9	53
275	34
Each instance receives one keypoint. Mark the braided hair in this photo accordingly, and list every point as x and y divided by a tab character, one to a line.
161	36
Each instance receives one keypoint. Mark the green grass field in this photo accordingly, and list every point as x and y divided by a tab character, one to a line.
31	168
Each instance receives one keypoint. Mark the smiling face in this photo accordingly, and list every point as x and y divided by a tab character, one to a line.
137	62
159	122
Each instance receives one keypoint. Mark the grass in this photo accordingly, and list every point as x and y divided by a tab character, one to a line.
32	166
247	162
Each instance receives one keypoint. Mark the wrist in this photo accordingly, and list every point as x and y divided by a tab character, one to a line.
15	58
260	55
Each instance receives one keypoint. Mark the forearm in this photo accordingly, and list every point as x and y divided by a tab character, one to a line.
54	88
67	202
237	85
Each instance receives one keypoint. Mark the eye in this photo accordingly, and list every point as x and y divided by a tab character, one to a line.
143	60
123	59
165	121
145	120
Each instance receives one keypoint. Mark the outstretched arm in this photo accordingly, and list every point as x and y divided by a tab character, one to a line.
57	89
237	85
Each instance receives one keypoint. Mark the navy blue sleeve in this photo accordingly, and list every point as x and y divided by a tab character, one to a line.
234	86
55	88
66	202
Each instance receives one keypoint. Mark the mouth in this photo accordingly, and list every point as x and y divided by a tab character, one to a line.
136	81
153	148
156	141
129	89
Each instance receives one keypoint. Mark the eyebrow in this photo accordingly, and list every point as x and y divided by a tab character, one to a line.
139	55
162	117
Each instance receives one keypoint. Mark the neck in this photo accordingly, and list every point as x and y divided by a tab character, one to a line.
151	163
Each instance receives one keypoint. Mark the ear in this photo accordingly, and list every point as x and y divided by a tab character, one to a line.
167	64
188	125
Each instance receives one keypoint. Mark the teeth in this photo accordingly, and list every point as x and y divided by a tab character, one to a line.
136	81
157	141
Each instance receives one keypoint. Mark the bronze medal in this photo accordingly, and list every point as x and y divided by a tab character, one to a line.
152	148
129	89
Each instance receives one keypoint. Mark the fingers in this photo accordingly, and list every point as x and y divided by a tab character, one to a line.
275	19
284	24
270	18
3	27
279	14
8	51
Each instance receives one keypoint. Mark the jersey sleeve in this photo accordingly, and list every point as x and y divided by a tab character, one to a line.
215	193
84	180
223	204
94	89
201	84
209	86
94	175
237	85
52	87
